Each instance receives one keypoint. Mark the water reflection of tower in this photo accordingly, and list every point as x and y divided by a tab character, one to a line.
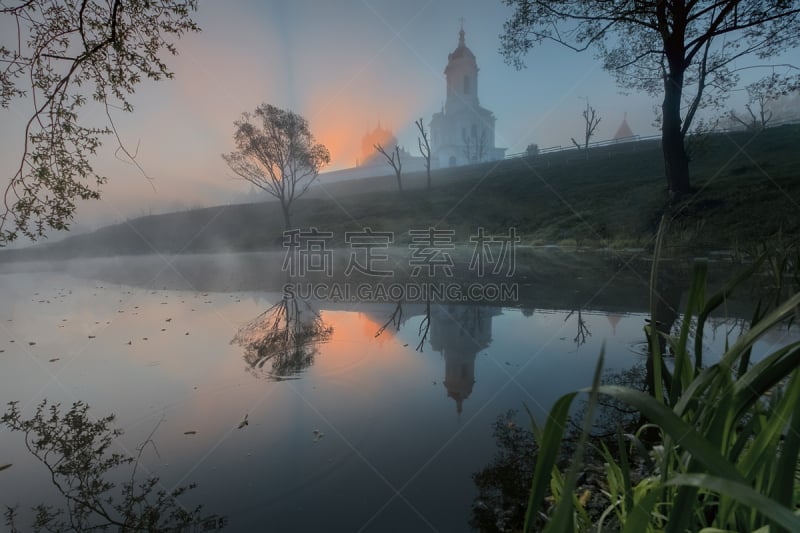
459	333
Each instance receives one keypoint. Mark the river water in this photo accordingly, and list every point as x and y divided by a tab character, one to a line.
348	430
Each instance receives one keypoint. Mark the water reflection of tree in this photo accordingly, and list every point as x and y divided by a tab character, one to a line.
285	336
75	449
395	320
504	483
583	329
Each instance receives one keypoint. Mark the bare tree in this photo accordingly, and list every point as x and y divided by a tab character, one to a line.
394	160
276	152
663	48
761	95
63	56
424	149
590	122
475	146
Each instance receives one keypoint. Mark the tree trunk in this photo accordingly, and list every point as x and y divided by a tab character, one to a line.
399	183
676	162
428	172
287	222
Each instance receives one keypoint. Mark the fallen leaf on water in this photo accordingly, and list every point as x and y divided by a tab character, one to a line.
244	422
31	343
3	467
190	433
54	359
92	336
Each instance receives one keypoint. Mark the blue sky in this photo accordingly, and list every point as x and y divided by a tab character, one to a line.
345	65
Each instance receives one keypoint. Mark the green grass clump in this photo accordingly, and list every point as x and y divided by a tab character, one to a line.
718	451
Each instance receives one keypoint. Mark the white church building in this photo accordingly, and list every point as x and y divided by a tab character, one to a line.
463	132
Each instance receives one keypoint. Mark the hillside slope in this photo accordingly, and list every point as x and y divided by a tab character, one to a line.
748	189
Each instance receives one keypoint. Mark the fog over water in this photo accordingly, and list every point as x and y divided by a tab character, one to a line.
359	417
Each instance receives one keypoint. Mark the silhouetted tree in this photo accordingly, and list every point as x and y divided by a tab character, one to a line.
424	149
590	121
761	95
56	58
393	159
662	48
276	152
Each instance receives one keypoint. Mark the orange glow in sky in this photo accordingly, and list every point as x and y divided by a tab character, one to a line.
340	120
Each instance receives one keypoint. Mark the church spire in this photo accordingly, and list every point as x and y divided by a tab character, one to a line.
461	33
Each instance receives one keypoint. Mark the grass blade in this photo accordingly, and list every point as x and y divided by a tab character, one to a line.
625	467
763	445
639	517
718	299
782	489
549	447
683	373
683	433
742	493
771	320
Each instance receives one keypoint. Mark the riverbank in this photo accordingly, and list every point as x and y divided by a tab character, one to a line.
746	192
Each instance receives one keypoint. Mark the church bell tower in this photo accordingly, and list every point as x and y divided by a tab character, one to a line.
462	78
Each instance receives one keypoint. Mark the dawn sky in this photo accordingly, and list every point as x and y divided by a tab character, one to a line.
345	66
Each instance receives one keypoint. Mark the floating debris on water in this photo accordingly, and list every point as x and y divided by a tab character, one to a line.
190	432
244	422
54	359
316	435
